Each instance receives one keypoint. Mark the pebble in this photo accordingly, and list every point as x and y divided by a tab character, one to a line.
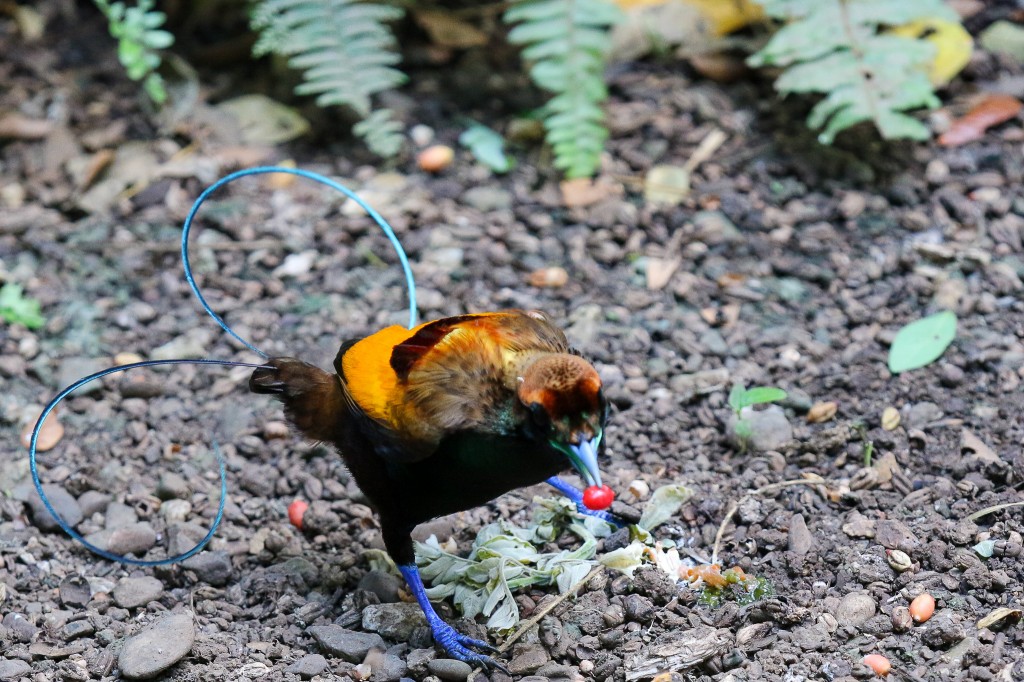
529	658
395	621
308	666
134	592
136	538
74	591
855	608
770	429
92	502
921	414
78	628
347	644
159	646
449	669
12	670
800	539
213	568
488	198
386	667
295	264
73	369
62	501
385	585
119	515
50	433
20	626
172	486
175	511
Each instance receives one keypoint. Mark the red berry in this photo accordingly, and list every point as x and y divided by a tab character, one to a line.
296	510
598	498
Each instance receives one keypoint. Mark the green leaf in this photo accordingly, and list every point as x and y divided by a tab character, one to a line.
922	342
663	505
487	146
984	548
625	559
736	397
15	308
754	396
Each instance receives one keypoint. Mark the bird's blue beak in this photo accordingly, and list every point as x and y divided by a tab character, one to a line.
584	459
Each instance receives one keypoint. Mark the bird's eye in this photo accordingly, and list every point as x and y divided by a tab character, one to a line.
540	415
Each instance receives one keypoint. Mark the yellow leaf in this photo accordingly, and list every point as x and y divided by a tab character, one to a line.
953	46
722	16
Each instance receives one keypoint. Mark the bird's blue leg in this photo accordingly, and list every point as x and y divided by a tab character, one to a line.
451	640
575	495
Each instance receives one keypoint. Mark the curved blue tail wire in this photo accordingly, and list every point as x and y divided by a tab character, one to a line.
310	175
186	230
64	524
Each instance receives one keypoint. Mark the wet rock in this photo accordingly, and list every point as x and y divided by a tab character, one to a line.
855	608
449	669
395	621
134	592
158	647
347	644
213	568
63	503
308	666
12	670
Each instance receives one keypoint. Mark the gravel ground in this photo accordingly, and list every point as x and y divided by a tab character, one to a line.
788	266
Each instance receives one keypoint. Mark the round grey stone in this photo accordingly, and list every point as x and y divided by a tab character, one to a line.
12	670
308	666
449	669
65	505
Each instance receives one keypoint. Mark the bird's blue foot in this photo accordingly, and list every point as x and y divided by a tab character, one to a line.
575	495
451	640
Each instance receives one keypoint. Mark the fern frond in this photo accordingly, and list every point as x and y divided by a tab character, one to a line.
567	43
835	47
346	53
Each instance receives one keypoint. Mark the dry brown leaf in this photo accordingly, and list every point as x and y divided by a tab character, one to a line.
18	127
822	412
98	163
582	192
992	110
447	30
997	617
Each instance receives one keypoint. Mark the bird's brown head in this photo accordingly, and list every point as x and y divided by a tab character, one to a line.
563	394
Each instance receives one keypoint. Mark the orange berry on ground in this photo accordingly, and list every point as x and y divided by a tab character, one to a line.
296	510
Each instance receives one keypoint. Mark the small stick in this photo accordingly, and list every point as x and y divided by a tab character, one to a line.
547	609
988	510
813	479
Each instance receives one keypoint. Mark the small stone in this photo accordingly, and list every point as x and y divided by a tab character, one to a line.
159	646
173	486
92	502
639	609
137	538
119	515
175	511
921	414
385	585
308	666
63	503
73	369
50	433
78	628
890	418
449	669
487	198
385	667
901	619
528	659
296	264
800	539
213	568
20	627
855	608
131	593
394	621
769	428
12	670
418	659
74	591
347	644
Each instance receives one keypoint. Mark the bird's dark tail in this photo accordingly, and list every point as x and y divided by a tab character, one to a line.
313	399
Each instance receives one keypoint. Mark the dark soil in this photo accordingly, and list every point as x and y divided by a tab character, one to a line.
798	265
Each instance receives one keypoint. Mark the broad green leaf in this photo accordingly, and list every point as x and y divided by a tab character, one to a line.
736	397
759	395
922	342
663	505
17	309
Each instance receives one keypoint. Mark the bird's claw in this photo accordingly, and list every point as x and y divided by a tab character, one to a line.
458	646
605	516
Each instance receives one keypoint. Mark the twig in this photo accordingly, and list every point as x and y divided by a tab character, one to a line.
988	510
547	609
812	479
